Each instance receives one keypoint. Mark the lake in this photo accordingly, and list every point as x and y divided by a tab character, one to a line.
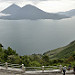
36	36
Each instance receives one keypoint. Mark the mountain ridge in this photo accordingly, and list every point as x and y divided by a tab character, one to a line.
68	13
33	13
9	9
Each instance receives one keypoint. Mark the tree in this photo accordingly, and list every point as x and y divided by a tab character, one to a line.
73	54
9	51
26	60
1	45
45	59
14	59
70	59
35	64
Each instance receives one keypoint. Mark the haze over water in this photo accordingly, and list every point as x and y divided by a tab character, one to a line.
36	36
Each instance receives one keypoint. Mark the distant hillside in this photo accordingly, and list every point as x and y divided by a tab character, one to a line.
12	9
68	13
63	52
30	12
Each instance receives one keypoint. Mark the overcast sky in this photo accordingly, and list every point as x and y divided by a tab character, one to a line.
46	5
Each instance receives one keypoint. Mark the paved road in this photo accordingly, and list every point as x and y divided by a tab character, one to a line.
6	73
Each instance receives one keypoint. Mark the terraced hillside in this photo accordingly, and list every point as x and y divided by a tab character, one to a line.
63	52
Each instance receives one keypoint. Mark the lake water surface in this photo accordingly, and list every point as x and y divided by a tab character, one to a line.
36	36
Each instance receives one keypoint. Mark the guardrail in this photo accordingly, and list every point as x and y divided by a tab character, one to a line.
12	67
21	68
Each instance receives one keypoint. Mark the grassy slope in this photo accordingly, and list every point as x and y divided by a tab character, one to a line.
62	52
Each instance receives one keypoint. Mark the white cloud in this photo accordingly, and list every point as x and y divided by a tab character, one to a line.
57	6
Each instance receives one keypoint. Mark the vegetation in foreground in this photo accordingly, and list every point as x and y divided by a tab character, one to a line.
63	56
